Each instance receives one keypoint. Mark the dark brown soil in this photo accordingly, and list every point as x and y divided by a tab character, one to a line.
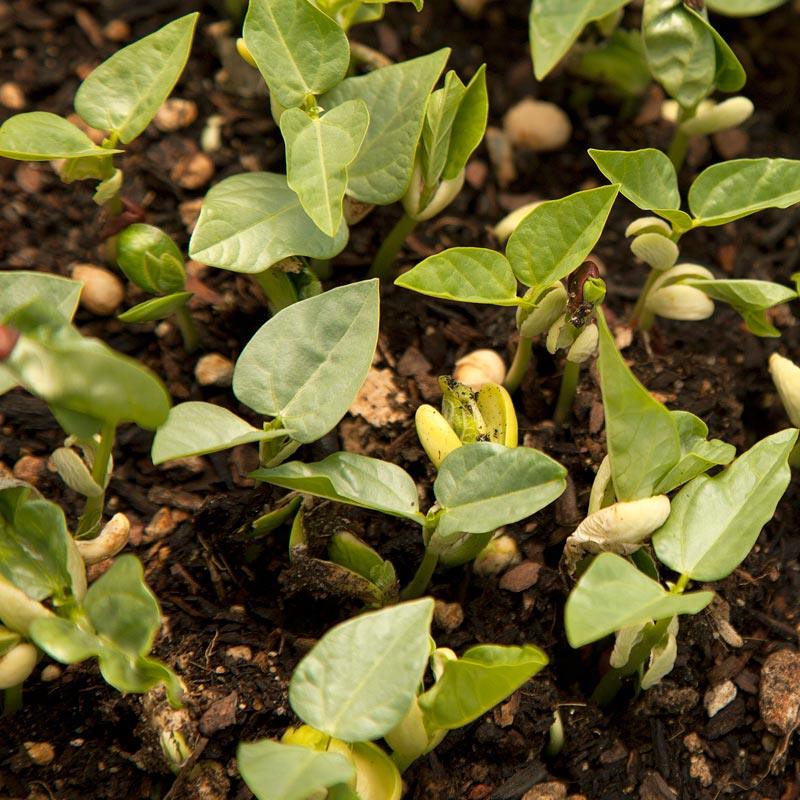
237	617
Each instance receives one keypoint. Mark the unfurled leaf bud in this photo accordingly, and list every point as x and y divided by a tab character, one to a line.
584	347
150	258
648	225
461	411
548	307
656	250
478	368
17	664
436	436
108	542
722	116
786	377
509	223
445	193
561	335
680	302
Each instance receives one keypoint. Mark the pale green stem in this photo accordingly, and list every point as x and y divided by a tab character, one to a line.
278	288
12	700
679	145
382	265
422	577
93	511
519	366
566	395
640	317
188	329
611	682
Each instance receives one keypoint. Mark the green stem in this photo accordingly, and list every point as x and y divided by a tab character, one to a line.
422	577
188	329
640	317
93	511
611	682
382	265
12	700
278	288
566	395
519	366
679	145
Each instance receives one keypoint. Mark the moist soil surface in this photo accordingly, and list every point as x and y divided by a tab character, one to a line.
237	615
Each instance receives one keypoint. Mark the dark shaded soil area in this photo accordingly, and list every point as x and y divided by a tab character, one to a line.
237	616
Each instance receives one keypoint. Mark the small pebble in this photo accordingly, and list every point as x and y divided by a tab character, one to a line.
189	212
52	672
30	469
117	30
12	96
174	114
501	155
549	790
537	125
163	523
719	696
521	577
448	616
732	143
41	753
239	652
193	171
779	697
214	369
102	292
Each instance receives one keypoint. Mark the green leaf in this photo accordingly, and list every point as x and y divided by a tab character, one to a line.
646	177
360	679
473	684
307	363
124	619
41	136
466	274
196	428
642	435
698	454
318	153
353	479
299	50
151	259
734	189
85	376
749	298
275	771
482	486
58	295
155	308
438	127
680	50
555	238
34	543
613	594
124	93
715	521
618	62
743	8
729	75
554	26
469	124
396	97
251	221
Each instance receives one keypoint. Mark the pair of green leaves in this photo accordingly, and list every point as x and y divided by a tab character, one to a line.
652	450
479	486
713	525
303	367
549	243
120	96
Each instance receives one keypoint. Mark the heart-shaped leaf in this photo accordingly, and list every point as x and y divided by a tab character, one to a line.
41	136
396	97
353	479
58	295
251	221
124	93
360	679
482	486
469	125
310	380
613	594
715	521
466	274
318	153
477	681
555	238
743	8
